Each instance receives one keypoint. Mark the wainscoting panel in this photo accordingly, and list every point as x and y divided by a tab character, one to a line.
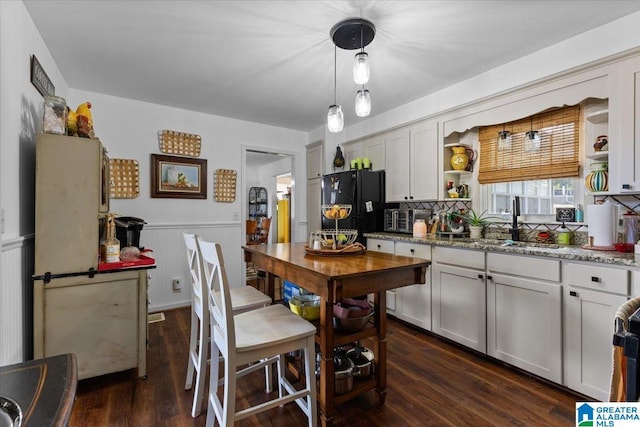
171	260
16	296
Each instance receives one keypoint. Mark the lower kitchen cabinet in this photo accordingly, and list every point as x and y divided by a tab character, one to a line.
592	295
103	320
524	313
459	296
386	246
409	303
414	302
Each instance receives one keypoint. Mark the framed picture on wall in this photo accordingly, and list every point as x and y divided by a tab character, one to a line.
178	177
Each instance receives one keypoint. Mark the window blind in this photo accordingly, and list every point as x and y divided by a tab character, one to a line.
557	157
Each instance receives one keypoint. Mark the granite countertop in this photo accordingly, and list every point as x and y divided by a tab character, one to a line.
575	253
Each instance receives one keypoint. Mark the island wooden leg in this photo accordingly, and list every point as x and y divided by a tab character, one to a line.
271	286
326	391
380	344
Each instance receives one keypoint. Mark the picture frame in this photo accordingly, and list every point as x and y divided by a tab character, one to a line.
178	177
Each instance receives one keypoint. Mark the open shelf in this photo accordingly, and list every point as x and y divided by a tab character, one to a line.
598	155
600	116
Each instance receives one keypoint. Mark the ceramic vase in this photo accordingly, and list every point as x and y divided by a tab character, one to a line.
459	159
598	179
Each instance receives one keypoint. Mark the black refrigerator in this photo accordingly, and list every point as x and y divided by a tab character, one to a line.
364	190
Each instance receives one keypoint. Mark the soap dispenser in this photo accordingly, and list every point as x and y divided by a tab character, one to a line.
563	235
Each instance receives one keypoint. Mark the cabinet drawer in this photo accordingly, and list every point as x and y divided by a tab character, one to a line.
413	250
379	245
526	266
459	257
598	278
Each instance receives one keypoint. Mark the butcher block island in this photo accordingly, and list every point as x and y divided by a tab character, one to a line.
335	278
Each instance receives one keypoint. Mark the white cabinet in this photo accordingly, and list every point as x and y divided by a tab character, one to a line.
625	155
409	303
386	246
411	163
592	295
459	296
102	319
372	147
414	301
315	155
524	313
314	196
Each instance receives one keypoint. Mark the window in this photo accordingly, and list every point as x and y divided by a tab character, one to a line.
538	197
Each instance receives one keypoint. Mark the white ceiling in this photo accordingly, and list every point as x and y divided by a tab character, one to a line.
272	61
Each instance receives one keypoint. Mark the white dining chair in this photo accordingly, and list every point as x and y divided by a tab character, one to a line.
248	338
243	299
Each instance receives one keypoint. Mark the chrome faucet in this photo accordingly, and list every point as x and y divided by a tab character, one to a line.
515	232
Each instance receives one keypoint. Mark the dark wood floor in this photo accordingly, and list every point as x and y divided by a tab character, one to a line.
430	383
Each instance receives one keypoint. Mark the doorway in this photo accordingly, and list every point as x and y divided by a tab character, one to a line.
264	168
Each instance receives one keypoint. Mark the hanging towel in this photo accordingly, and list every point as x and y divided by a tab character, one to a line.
617	391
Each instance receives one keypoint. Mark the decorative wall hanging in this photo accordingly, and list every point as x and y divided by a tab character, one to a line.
178	177
224	189
180	143
125	179
40	79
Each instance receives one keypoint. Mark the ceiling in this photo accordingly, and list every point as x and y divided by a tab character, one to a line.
272	61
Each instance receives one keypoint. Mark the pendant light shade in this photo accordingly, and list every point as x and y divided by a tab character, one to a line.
335	118
361	68
532	140
504	139
363	103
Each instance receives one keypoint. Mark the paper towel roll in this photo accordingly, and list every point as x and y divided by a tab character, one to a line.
603	224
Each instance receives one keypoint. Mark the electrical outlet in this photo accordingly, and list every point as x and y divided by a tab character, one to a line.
177	285
236	216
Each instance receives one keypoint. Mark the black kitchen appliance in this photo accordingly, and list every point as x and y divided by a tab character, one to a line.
128	230
364	191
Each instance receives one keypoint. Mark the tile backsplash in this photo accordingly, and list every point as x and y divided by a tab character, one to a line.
529	231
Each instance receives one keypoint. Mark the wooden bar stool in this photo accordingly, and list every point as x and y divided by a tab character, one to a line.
244	298
259	335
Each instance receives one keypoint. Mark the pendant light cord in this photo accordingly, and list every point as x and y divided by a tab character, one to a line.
335	73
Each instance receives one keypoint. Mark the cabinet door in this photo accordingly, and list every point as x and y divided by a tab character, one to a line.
414	302
314	161
396	154
373	148
314	193
588	339
424	161
97	321
524	326
350	152
627	149
459	305
386	246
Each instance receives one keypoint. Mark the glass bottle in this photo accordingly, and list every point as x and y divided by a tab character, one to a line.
111	248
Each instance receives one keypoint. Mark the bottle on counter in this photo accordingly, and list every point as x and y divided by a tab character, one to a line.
563	235
579	214
110	250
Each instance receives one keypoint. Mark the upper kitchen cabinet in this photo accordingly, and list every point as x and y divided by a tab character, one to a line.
411	163
315	156
625	130
372	147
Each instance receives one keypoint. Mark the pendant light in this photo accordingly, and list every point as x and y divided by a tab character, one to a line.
363	102
335	118
504	139
352	34
361	68
532	140
361	64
